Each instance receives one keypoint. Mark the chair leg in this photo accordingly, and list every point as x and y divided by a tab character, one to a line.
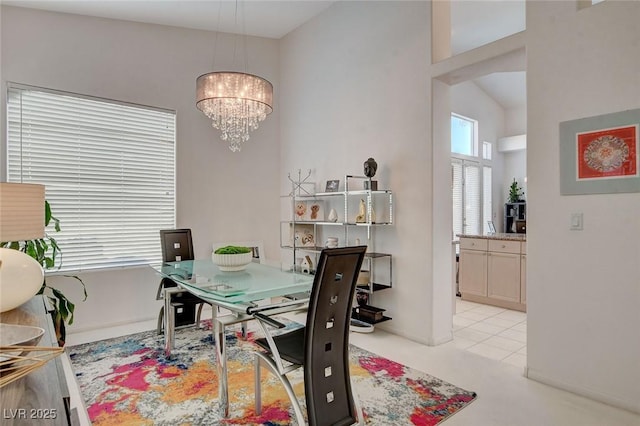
199	315
159	327
356	401
257	386
287	386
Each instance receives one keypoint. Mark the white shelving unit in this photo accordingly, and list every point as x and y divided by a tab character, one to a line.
304	235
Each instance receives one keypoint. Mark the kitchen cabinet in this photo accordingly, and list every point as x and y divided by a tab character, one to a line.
473	277
503	270
492	272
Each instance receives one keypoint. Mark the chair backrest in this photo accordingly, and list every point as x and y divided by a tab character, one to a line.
176	245
326	360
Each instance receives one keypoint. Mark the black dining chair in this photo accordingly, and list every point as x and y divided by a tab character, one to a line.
177	245
321	347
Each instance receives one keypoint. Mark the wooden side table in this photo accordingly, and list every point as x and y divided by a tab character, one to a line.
41	397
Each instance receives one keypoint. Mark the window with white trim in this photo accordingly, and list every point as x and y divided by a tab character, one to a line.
471	178
108	168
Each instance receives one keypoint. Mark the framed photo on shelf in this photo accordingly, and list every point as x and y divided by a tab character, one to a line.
332	185
315	211
492	227
302	235
300	211
600	155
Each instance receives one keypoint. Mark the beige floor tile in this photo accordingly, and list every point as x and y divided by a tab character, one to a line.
467	333
515	335
489	351
504	343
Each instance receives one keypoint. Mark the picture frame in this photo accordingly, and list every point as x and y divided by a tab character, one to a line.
492	227
315	211
600	154
332	185
300	211
302	235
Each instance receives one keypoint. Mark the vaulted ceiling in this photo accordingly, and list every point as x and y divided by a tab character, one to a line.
473	24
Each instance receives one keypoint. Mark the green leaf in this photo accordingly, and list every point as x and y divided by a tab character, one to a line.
47	213
84	287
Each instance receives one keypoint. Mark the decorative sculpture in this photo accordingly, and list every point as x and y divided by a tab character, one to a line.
362	214
370	167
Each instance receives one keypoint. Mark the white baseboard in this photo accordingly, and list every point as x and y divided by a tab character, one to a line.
633	406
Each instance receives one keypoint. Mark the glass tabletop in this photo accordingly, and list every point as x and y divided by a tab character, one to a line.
256	282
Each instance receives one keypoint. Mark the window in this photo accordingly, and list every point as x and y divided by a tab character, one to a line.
471	178
463	135
108	169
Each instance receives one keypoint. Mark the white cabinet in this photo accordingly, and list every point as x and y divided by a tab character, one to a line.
503	270
492	272
473	276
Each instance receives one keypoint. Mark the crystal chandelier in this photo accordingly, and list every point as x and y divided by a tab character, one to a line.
235	102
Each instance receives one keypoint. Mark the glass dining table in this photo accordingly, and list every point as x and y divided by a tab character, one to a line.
238	292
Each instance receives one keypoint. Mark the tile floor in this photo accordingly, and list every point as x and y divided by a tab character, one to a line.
492	332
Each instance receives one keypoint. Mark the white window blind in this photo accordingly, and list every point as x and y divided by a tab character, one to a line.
466	197
108	169
472	199
487	205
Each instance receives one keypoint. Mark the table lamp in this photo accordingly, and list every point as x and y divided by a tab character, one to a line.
21	219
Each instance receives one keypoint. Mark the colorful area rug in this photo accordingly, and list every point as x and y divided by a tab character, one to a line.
129	381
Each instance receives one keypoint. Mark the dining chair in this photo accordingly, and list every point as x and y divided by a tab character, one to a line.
177	245
321	347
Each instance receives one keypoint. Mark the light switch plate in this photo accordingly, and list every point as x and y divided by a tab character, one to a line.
576	222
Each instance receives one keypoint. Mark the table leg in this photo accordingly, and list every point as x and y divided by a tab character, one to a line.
169	321
221	363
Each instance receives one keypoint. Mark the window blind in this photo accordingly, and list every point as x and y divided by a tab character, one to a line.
487	205
108	169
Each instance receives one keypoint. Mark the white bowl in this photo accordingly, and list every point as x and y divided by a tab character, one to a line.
18	335
232	262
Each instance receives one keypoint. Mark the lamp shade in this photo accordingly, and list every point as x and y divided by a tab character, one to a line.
21	211
235	102
21	218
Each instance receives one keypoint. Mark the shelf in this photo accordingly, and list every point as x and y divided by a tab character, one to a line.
325	223
376	287
354	201
362	318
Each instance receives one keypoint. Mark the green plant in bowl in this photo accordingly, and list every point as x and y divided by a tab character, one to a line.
232	258
232	250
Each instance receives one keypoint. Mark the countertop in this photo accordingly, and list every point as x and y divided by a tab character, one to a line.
496	236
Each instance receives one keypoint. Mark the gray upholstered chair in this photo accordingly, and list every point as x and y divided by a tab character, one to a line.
321	347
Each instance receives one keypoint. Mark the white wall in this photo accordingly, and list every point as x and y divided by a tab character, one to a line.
220	195
583	287
358	86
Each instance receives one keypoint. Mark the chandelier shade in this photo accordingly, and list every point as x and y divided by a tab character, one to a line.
235	102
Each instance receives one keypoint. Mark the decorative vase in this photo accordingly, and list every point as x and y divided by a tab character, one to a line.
333	215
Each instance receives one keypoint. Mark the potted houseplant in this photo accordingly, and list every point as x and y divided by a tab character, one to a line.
515	192
46	251
232	258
